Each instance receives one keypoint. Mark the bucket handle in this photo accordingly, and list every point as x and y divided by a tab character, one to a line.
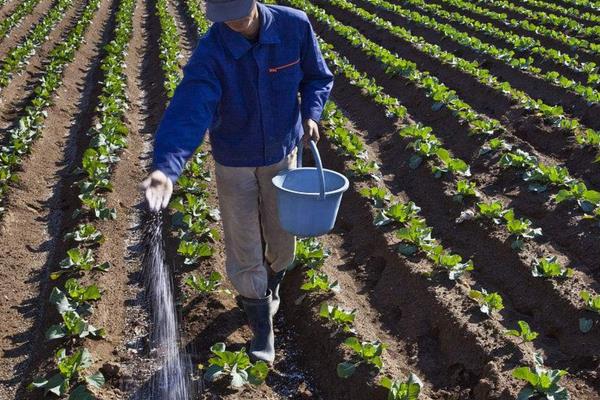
320	174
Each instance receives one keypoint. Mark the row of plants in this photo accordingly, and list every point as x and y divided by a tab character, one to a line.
572	11
108	137
488	303
553	114
578	44
427	146
20	12
312	255
503	55
169	47
434	90
17	57
591	4
571	26
353	148
520	43
30	125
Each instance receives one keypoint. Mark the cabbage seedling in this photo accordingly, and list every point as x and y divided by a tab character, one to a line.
525	332
236	366
318	281
549	267
378	195
73	326
310	253
79	260
592	303
541	381
344	319
409	389
85	233
488	302
71	371
465	189
205	285
364	352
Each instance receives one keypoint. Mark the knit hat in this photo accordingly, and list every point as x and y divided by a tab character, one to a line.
228	10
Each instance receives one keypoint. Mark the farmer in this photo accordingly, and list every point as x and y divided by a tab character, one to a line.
242	83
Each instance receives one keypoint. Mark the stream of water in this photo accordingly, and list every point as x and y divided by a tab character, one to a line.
171	381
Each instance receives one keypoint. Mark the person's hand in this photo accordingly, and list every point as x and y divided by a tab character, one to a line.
311	132
158	188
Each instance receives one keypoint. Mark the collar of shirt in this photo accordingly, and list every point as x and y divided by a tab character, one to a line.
238	45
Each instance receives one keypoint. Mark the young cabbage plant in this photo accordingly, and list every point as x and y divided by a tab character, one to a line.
465	189
414	236
410	389
364	168
452	263
493	145
493	210
235	366
364	352
205	285
318	281
549	267
525	332
542	382
85	233
74	325
79	260
520	229
310	253
450	165
588	200
398	212
488	302
592	303
97	206
342	318
71	375
378	195
192	251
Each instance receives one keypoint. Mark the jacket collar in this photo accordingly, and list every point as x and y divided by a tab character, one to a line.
237	43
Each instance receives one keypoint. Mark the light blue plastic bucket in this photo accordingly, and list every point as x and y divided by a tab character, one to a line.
308	199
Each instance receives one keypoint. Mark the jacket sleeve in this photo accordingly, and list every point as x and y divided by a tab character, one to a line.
318	79
187	116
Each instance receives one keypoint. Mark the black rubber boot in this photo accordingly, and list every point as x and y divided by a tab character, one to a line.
262	346
273	284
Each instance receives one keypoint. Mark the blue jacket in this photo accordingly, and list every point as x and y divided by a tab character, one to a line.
245	94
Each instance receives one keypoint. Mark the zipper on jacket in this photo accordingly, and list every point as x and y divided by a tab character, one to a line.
260	110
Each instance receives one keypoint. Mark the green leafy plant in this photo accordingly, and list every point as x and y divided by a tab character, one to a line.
549	267
452	263
465	189
205	285
344	319
236	366
397	212
79	260
410	389
364	168
73	325
488	302
85	233
592	303
310	253
541	381
364	352
525	332
71	374
192	251
415	235
520	229
318	281
379	195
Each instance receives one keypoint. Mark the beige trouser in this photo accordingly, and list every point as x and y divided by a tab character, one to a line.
248	203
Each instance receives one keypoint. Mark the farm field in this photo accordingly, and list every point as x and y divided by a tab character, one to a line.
466	249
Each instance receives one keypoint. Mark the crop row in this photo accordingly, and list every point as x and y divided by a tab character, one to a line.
20	12
592	4
585	15
502	18
441	94
571	25
16	58
31	124
504	55
415	240
108	138
169	47
555	114
518	42
428	146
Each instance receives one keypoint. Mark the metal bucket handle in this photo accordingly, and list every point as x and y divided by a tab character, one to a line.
317	156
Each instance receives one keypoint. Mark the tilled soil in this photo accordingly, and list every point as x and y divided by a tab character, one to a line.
429	324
